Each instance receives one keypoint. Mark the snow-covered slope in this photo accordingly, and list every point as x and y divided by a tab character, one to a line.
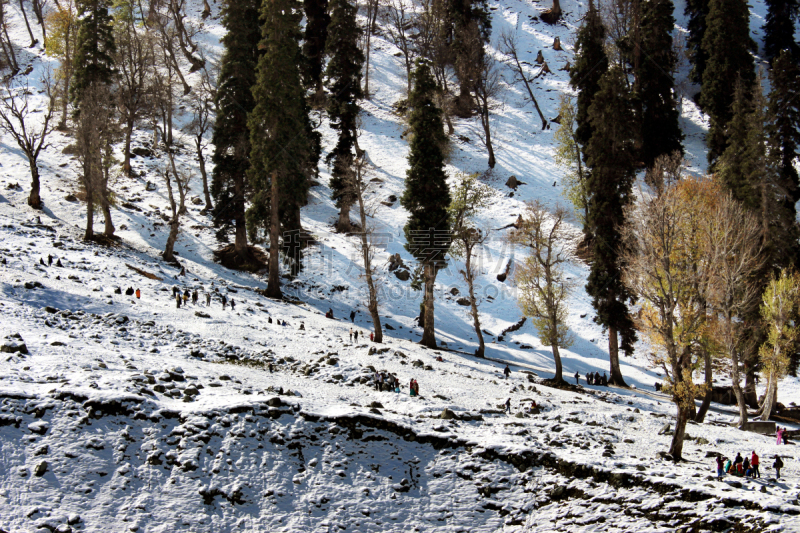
131	415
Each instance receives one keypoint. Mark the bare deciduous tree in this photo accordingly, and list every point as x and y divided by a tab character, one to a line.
203	111
95	129
34	40
541	277
371	12
38	9
367	242
509	47
736	247
63	25
430	42
469	197
485	90
5	40
399	19
178	208
20	120
135	61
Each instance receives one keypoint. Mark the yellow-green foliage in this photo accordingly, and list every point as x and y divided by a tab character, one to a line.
780	310
568	156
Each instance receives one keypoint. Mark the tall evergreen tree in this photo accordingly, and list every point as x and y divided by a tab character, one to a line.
732	167
427	196
727	46
784	122
343	76
95	48
316	35
281	151
779	28
231	136
611	154
696	11
590	63
654	88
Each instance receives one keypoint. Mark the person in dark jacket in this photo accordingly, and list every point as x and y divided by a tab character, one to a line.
352	316
508	405
507	371
195	296
777	465
233	304
178	301
224	302
577	378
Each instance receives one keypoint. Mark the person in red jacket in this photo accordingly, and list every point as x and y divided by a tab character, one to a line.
754	462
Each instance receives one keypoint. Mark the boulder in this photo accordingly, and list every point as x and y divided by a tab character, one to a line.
40	469
14	344
402	275
447	414
512	182
463	301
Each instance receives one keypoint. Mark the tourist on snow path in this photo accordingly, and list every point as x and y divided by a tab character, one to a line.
224	302
777	465
746	467
178	300
754	462
728	466
355	335
508	405
371	337
351	334
577	378
186	296
208	299
175	290
352	316
233	304
507	371
779	433
720	466
49	260
194	297
138	294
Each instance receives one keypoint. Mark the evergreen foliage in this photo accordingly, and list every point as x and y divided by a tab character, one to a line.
427	196
784	123
234	100
779	28
611	154
94	53
696	11
343	76
281	147
591	62
660	132
727	45
316	35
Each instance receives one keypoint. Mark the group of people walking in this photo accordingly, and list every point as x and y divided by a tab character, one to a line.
386	381
182	298
593	378
745	466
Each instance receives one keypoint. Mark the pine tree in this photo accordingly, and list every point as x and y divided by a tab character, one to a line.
779	28
727	45
95	49
696	11
282	152
231	136
784	123
343	76
316	35
732	167
427	196
591	62
612	158
654	89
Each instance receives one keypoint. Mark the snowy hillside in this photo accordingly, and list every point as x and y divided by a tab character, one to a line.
131	415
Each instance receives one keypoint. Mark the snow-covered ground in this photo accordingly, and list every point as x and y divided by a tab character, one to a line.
131	415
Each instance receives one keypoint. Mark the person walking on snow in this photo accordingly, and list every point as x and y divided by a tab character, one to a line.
779	434
138	294
351	334
224	302
508	405
355	335
754	462
777	465
194	297
178	300
577	378
208	299
720	466
371	336
233	304
186	296
352	316
507	371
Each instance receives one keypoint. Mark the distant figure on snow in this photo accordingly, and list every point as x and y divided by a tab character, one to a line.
577	378
186	296
351	334
302	326
754	462
138	294
371	337
224	302
508	405
507	371
329	314
269	319
208	299
355	335
779	434
178	301
777	465
58	263
49	260
233	304
352	316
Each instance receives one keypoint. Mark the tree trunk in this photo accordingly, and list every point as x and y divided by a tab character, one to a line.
428	334
772	390
372	305
488	132
34	200
676	447
13	55
240	244
89	234
343	225
372	14
558	378
174	225
202	161
105	203
613	354
701	414
274	280
470	278
34	40
126	165
750	396
737	388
